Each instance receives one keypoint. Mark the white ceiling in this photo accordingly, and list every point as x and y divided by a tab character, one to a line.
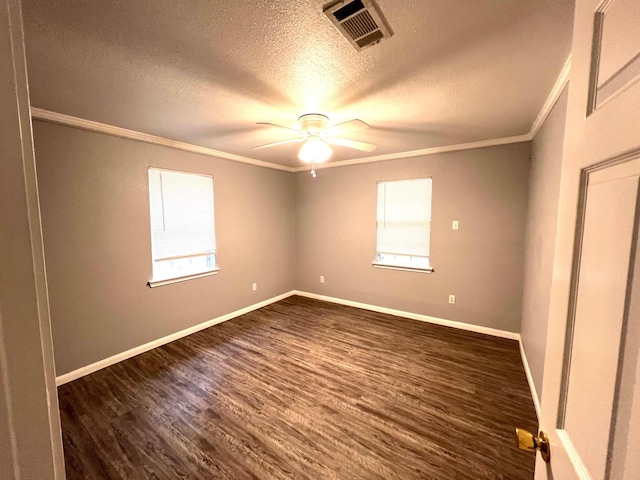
204	72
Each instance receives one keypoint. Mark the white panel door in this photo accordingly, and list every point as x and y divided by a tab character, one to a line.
591	394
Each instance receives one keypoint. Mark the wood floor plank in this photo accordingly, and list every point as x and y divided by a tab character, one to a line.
305	389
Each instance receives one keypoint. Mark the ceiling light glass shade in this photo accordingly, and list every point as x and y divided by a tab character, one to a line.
315	150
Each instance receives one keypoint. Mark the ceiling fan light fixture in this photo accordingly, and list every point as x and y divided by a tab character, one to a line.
317	136
315	150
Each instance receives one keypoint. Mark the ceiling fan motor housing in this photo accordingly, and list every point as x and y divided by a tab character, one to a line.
313	123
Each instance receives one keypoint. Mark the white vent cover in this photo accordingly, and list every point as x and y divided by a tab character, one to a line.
360	21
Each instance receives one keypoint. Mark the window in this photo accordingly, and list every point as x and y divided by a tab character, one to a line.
404	225
183	239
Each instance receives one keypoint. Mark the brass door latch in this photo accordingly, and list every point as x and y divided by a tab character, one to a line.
528	441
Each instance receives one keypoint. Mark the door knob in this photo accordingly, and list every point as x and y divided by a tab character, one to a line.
529	441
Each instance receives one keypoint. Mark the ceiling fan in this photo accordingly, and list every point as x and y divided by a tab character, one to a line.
317	135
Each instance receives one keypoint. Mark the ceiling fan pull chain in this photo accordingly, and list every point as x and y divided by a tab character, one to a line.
313	167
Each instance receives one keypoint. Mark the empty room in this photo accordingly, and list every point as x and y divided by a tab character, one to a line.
348	239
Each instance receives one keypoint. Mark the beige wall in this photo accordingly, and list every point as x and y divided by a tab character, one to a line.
278	229
95	211
544	189
481	263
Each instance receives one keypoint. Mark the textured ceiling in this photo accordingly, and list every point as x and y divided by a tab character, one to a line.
204	72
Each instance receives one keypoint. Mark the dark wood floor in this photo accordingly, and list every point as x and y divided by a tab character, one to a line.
305	389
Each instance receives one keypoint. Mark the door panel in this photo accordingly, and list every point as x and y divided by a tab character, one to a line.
620	37
625	461
616	48
606	251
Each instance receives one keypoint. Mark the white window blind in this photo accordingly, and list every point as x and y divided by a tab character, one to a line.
404	223
183	236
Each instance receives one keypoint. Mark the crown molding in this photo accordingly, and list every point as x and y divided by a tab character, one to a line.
81	123
553	97
425	151
71	121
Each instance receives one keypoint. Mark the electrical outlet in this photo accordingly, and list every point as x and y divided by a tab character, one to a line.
452	299
254	287
321	279
455	225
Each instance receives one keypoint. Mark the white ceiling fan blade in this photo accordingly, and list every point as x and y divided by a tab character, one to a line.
280	126
267	145
350	126
344	142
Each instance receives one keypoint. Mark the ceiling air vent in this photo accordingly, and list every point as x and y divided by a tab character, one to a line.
360	21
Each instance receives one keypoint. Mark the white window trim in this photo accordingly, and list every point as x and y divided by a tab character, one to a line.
406	269
169	281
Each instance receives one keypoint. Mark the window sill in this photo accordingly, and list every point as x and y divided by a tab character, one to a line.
400	267
169	281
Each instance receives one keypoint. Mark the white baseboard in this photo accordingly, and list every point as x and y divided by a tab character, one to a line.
94	367
99	365
527	371
441	321
414	316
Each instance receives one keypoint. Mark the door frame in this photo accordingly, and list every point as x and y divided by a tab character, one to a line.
588	148
30	433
